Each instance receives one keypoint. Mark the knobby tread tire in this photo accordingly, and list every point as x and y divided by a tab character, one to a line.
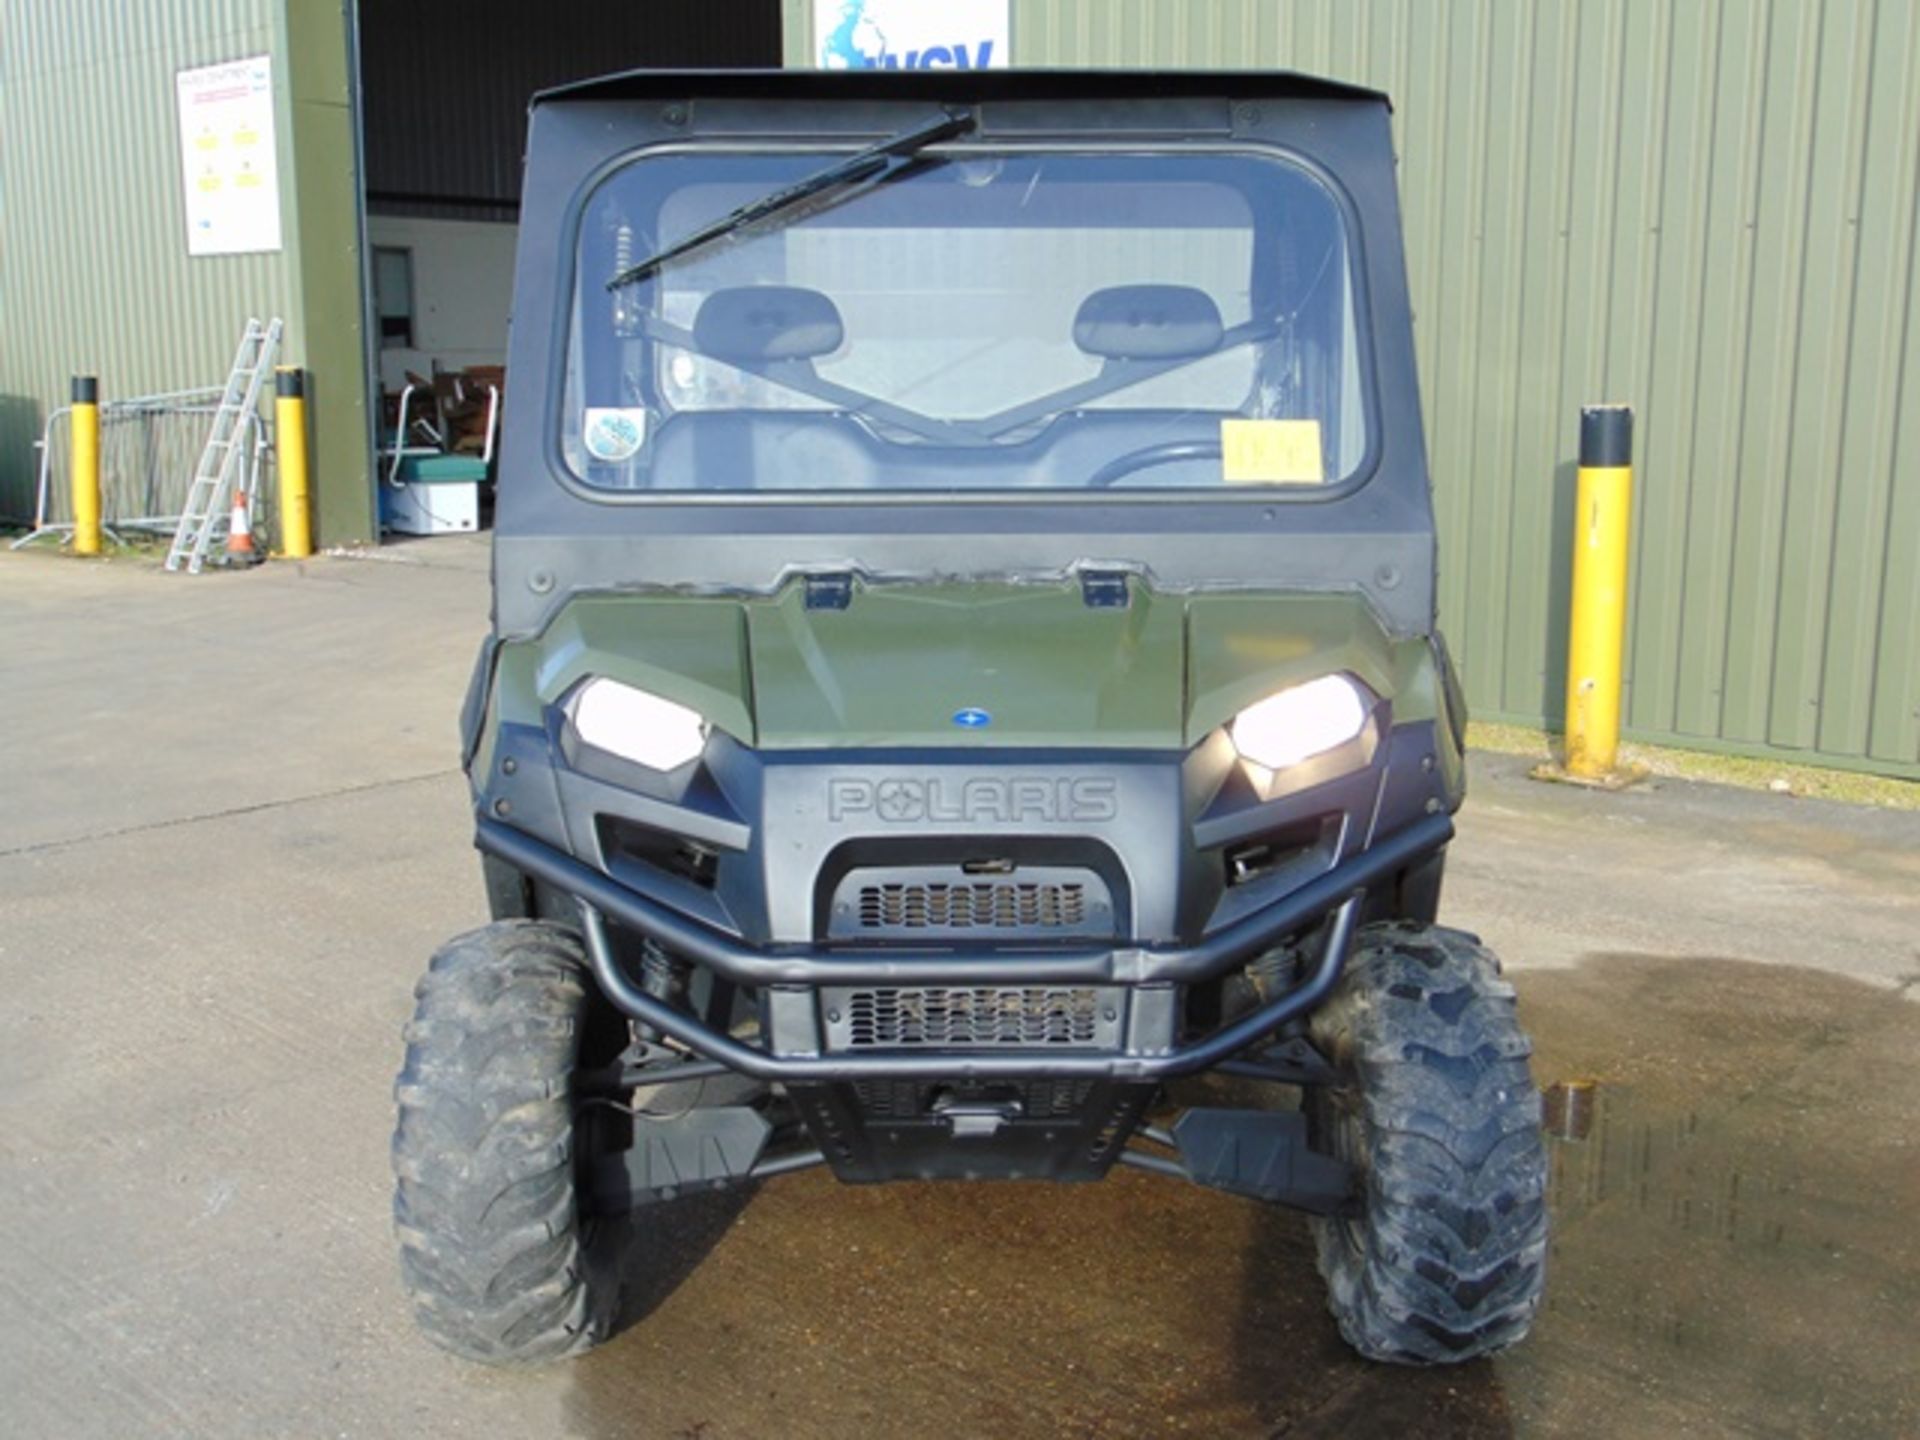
1438	1109
492	1251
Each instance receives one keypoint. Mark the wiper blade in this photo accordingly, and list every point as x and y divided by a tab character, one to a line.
856	167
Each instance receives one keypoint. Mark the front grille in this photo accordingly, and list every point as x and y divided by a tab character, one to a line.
1000	905
927	1017
960	900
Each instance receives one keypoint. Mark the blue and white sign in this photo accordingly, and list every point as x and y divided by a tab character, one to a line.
911	34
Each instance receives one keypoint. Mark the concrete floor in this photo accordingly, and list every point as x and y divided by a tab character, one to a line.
231	830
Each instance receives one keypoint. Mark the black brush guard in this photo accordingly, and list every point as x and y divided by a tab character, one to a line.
792	975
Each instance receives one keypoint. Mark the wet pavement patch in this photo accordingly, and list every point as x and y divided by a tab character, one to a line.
1734	1171
1734	1249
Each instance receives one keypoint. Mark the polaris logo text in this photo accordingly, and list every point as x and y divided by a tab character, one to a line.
1085	800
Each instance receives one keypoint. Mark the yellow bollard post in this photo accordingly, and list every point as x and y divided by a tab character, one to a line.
85	423
1597	627
290	440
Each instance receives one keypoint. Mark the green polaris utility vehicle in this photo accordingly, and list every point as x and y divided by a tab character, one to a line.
963	661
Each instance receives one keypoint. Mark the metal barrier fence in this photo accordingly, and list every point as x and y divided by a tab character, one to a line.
149	448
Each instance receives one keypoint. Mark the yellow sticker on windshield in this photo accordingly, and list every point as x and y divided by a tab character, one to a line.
1271	452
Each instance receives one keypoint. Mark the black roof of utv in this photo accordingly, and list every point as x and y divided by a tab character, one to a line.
981	85
1372	533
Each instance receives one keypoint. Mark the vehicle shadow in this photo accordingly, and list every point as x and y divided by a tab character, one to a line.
1297	1374
1139	1306
653	1249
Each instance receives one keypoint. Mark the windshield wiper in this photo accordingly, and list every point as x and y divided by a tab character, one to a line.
856	167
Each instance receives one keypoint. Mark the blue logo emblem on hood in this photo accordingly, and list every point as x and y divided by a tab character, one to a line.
972	718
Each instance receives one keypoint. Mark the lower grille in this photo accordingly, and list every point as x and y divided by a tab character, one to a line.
983	1017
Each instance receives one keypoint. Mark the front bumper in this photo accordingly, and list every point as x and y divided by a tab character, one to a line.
791	976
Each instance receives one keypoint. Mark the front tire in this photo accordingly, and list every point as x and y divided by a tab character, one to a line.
1437	1111
493	1250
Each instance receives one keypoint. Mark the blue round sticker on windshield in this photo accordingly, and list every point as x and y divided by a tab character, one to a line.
972	719
614	435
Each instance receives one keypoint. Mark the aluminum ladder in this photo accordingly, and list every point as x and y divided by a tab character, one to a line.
220	463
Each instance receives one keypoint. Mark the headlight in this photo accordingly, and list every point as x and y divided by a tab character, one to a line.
1299	722
637	726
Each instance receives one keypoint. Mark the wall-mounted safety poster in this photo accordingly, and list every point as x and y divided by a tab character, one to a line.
227	157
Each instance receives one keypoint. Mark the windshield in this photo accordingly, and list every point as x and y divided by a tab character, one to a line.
968	320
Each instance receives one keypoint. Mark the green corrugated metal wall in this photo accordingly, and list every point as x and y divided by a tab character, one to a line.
94	274
1704	207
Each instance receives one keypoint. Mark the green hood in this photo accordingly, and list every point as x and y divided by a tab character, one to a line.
895	666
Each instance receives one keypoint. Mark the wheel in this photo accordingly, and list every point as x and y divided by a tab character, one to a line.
1435	1108
494	1253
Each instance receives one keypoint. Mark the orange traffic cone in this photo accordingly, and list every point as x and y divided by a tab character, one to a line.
240	549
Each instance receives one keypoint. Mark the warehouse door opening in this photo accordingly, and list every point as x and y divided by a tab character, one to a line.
443	91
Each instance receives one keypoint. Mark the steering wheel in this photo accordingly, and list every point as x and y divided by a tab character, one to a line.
1147	456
